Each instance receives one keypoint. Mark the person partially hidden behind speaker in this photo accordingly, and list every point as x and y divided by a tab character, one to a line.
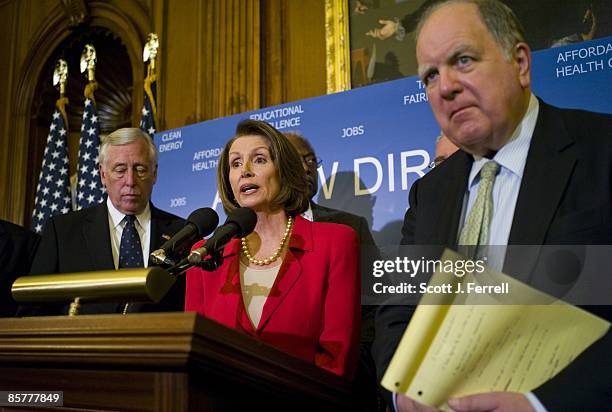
291	283
317	213
17	248
369	252
527	173
118	233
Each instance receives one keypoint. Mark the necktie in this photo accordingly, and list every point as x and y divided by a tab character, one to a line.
130	250
476	229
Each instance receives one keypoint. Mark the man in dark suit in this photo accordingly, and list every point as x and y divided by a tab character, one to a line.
369	252
320	213
443	150
91	239
551	181
17	248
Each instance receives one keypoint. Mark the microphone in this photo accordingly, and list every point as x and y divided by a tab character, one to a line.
200	223
239	223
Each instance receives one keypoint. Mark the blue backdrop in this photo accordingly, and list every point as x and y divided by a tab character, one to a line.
375	141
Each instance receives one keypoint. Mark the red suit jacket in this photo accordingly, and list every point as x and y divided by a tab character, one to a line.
313	310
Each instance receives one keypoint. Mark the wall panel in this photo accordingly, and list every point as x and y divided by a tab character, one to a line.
294	50
218	57
304	40
8	30
178	68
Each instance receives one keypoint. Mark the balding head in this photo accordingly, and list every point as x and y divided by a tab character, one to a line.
309	160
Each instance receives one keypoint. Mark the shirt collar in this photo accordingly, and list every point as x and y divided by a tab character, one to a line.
513	155
117	217
307	214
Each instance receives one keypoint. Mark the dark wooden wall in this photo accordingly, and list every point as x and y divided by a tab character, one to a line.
217	57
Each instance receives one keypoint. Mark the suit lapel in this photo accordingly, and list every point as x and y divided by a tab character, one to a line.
318	212
550	163
290	271
232	288
96	233
156	229
159	227
447	201
549	166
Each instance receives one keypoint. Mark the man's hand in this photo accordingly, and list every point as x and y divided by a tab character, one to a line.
493	401
389	29
406	404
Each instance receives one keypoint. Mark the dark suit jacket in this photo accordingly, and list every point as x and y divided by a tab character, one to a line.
17	248
80	242
565	198
312	310
365	378
369	253
358	223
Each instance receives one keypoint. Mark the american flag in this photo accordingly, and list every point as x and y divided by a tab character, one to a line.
147	114
53	190
89	186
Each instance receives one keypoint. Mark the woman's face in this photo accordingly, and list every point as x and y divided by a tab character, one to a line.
252	174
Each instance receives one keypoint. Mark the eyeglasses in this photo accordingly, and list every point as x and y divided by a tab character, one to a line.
310	160
436	161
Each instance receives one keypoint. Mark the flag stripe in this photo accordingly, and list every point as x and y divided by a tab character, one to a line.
53	190
89	184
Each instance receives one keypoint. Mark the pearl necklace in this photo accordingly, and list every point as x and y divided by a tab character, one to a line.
267	261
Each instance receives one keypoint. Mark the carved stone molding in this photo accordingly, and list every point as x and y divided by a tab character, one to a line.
75	10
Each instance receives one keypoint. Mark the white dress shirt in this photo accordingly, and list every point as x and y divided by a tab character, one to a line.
511	158
307	214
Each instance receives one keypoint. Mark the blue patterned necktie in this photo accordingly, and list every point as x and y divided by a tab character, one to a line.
130	250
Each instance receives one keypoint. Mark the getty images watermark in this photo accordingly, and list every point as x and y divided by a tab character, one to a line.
457	267
521	274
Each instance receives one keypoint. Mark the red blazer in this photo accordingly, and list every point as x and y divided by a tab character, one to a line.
313	310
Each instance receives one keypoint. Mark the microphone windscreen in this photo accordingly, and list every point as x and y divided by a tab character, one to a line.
205	219
244	218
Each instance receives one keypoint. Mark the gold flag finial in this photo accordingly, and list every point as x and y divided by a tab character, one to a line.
60	75
150	50
88	61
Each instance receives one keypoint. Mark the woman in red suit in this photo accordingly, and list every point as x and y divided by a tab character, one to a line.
292	283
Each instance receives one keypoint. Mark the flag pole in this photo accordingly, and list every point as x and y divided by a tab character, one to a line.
53	189
89	184
148	119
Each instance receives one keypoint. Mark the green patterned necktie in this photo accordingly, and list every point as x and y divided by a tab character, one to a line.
476	229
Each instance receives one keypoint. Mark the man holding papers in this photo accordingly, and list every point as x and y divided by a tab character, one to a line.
526	173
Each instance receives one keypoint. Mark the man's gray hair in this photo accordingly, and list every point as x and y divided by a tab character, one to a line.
125	136
498	18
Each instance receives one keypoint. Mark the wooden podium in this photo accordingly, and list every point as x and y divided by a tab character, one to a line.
159	362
